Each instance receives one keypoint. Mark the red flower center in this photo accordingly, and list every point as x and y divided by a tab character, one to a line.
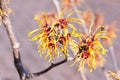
62	40
85	54
51	45
63	23
68	36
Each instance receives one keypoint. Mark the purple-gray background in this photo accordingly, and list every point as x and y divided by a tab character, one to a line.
23	23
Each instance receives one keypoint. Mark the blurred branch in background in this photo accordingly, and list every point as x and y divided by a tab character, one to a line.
114	59
80	16
57	6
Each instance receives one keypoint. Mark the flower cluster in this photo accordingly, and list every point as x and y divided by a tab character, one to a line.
54	35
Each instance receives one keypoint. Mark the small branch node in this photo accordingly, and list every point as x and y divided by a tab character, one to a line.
16	46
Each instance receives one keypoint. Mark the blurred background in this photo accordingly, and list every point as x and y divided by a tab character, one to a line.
23	22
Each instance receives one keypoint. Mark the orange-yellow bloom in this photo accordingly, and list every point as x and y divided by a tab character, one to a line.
53	35
90	47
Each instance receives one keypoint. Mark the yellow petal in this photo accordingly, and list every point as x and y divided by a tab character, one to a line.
77	20
33	32
73	13
73	27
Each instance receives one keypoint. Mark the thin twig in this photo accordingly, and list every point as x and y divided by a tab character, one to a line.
57	6
83	75
47	69
111	48
79	16
105	73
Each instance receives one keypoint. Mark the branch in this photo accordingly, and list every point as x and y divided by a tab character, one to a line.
13	40
83	75
47	69
57	6
79	16
105	73
7	25
114	59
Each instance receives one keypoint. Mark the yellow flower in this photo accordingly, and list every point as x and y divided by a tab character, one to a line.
113	75
53	35
90	46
